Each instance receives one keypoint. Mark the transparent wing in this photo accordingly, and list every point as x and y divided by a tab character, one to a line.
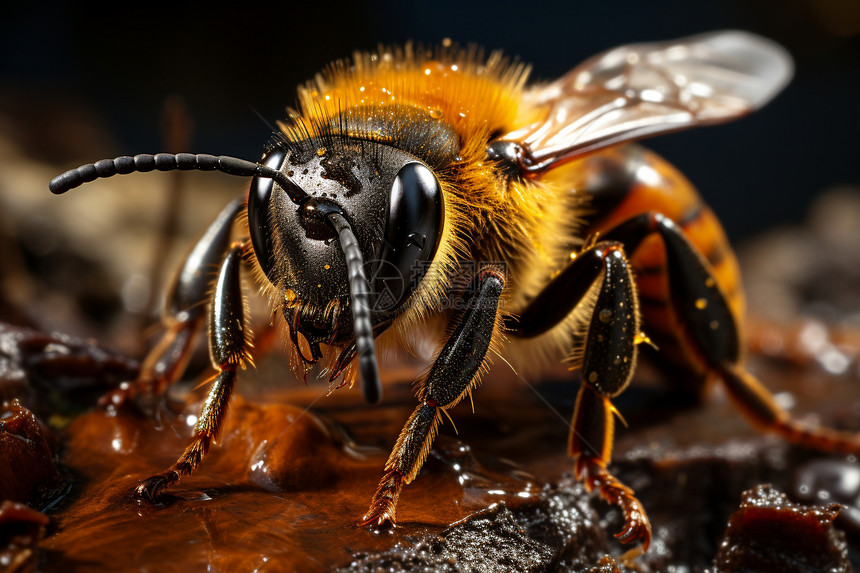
642	90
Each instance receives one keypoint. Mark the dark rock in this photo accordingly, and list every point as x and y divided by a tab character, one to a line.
57	373
20	530
489	541
770	533
29	472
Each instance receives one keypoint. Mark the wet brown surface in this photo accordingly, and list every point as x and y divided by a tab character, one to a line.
284	487
281	491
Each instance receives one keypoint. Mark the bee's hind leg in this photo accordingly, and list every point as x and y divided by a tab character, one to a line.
184	314
454	374
712	329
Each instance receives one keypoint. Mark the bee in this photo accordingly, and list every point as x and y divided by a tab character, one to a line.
435	192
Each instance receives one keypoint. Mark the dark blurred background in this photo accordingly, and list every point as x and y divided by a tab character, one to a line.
237	68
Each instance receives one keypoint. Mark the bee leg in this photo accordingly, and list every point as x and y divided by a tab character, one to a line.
590	445
184	314
711	326
454	374
229	341
608	362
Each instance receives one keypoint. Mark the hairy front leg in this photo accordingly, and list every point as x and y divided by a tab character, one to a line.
454	374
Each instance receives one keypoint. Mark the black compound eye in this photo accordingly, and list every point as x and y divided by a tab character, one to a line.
259	200
415	220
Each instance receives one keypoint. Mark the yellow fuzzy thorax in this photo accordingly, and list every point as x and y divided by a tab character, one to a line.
472	94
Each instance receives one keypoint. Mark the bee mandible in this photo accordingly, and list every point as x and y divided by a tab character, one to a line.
404	171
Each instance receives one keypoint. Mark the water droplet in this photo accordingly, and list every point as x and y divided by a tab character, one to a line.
321	151
436	113
605	315
701	304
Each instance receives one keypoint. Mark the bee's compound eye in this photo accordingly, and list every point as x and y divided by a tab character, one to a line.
415	197
259	199
415	218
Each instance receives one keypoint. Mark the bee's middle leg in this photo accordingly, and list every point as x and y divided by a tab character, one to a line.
229	342
453	375
608	362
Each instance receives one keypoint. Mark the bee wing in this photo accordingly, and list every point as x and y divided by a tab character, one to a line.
641	90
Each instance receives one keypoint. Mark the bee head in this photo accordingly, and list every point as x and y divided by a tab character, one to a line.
392	203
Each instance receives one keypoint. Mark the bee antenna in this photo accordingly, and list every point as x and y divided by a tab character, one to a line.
359	291
169	162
